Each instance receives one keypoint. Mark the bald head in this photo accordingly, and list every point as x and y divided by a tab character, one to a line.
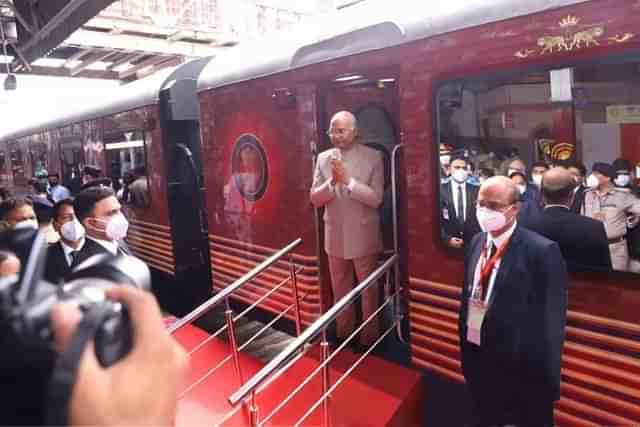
501	190
557	187
498	194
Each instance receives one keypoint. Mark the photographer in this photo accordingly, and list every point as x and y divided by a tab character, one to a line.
140	389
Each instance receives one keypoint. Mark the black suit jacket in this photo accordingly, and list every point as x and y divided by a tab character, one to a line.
518	362
57	267
91	247
578	200
450	225
583	240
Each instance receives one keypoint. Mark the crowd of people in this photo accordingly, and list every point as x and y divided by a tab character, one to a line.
77	228
608	194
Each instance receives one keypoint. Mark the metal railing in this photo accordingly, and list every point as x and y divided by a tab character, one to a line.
230	319
297	348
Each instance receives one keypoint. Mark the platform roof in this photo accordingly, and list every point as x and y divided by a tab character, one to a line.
134	95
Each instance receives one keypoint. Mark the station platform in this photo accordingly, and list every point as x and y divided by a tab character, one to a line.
377	393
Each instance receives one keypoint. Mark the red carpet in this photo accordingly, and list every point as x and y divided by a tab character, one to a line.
378	393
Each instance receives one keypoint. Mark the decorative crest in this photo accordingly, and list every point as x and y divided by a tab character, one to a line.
569	21
572	36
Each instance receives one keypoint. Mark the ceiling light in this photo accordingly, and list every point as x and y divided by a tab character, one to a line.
99	66
389	80
49	62
348	78
122	67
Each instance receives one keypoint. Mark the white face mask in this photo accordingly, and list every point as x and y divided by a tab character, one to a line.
522	188
117	227
72	230
445	160
510	171
490	220
592	181
537	179
26	224
622	180
460	175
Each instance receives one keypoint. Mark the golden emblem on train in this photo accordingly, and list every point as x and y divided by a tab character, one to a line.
551	150
576	36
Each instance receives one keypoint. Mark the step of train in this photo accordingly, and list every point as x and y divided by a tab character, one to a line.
397	390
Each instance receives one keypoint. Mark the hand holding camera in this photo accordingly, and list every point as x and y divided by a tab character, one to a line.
142	388
116	365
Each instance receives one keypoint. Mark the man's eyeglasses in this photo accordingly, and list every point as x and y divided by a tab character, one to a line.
339	132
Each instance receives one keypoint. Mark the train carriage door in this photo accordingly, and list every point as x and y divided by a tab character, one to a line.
183	156
373	98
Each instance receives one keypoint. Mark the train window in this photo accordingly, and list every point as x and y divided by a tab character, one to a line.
126	159
39	159
17	166
520	125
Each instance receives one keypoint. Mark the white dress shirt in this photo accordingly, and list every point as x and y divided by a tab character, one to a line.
455	188
68	249
498	242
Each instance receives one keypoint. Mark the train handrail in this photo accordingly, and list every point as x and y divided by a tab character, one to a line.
221	296
281	360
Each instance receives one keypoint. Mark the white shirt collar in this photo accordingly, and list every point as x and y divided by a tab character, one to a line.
500	240
456	185
556	206
109	245
68	249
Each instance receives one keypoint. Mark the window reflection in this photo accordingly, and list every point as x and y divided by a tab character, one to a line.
127	166
508	125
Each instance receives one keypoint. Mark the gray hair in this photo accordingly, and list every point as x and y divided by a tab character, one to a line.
354	120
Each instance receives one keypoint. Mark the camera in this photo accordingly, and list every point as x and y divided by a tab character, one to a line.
26	301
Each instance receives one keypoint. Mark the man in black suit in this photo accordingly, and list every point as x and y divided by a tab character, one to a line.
579	171
583	240
512	315
67	252
458	206
99	211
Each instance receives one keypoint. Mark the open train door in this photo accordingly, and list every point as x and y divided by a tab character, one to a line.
183	156
373	97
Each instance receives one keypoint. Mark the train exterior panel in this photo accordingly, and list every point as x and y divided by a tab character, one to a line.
253	148
600	371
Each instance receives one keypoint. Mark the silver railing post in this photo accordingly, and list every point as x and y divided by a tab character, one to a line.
296	301
324	347
396	231
232	340
253	410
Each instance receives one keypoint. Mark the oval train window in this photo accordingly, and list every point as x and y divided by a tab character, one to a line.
249	167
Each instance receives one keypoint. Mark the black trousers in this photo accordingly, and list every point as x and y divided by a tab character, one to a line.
520	411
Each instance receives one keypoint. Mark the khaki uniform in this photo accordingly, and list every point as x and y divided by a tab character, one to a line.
612	208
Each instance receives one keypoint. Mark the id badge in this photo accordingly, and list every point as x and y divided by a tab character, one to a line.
477	311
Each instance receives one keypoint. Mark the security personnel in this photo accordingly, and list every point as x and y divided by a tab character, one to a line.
611	205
